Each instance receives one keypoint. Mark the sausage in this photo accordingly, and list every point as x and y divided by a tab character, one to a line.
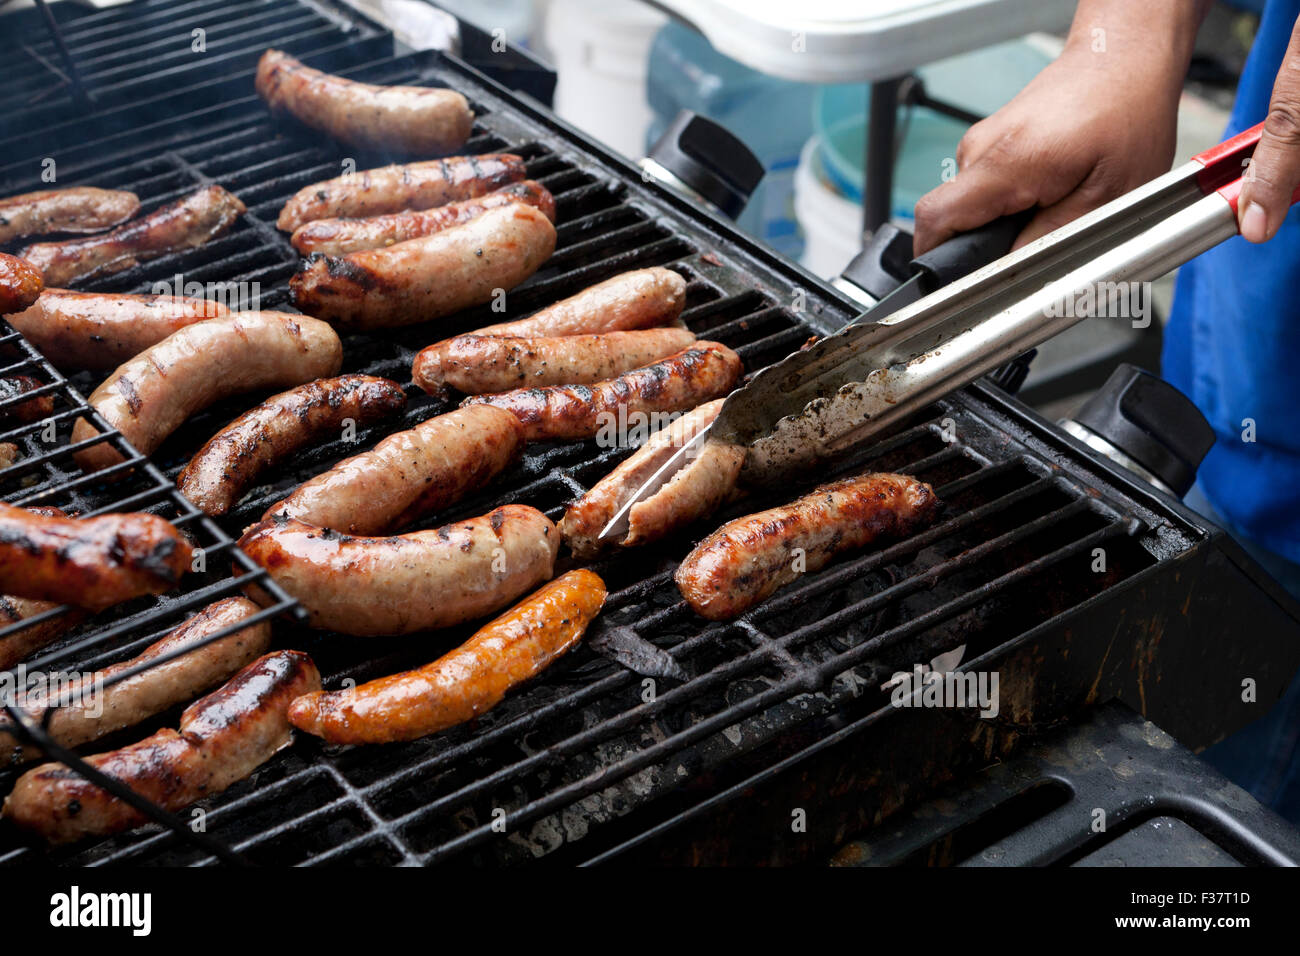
149	396
408	119
223	738
476	364
20	645
375	204
746	560
681	381
96	711
100	331
20	284
464	683
410	187
640	299
14	387
340	236
411	582
426	278
184	224
89	562
230	462
408	474
696	490
78	209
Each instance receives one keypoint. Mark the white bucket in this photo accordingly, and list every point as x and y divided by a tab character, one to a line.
600	52
831	224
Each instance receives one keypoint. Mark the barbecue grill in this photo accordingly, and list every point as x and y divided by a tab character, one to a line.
1073	579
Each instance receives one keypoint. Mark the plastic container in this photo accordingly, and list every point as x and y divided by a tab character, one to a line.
831	224
600	52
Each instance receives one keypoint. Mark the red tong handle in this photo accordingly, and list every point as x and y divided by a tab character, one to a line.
1225	164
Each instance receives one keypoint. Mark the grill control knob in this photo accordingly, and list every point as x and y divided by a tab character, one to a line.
1145	424
702	160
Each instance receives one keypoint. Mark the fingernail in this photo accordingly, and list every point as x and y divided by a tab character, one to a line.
1254	223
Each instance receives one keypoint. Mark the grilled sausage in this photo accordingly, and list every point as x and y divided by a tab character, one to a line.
464	683
92	562
230	462
405	188
681	381
100	331
78	209
33	410
20	284
640	299
223	738
149	396
185	224
86	711
476	364
408	119
20	645
337	237
411	582
427	278
695	491
408	474
746	560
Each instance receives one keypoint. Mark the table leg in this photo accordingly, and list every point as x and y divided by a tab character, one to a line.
878	189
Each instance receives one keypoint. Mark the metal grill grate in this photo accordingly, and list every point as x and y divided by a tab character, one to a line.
575	755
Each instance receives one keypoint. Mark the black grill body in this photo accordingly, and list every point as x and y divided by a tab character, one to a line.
784	707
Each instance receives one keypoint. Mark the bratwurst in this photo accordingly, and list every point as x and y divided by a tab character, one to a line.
230	462
746	560
149	396
395	189
464	683
185	224
409	119
408	474
426	278
20	284
411	582
89	562
696	374
77	209
99	331
222	739
85	711
337	237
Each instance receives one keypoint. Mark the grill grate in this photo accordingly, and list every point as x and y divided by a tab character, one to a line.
578	753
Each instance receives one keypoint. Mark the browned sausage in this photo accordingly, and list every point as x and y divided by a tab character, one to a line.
20	284
338	237
98	331
476	364
411	582
86	711
14	387
695	491
746	560
185	224
640	299
464	683
223	738
92	562
78	209
149	396
20	645
230	462
423	279
409	119
679	382
395	189
408	474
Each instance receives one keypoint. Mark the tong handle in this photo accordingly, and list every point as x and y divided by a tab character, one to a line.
964	253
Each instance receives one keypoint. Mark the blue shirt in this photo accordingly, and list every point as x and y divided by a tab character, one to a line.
1233	342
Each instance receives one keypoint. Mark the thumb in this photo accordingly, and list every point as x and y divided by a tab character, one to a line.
1274	171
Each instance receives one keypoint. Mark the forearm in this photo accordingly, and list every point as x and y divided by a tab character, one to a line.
1153	40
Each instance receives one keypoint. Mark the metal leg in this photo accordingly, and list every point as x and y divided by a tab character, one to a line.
882	115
